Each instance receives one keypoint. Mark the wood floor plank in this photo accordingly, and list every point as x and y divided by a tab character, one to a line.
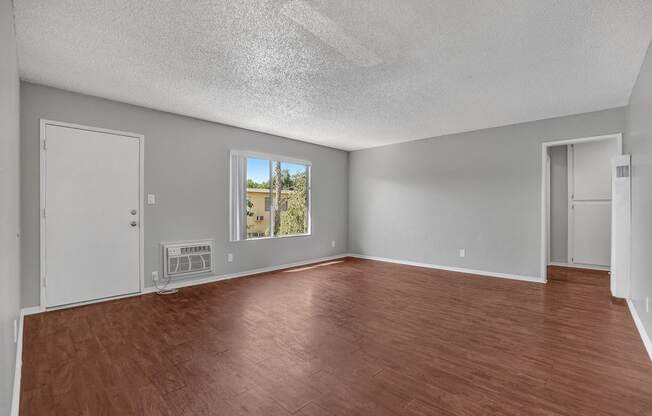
349	337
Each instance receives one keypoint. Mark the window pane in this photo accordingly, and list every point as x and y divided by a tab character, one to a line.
292	217
258	188
283	204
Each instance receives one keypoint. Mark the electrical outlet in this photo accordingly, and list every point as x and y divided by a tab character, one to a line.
151	199
333	243
229	257
155	276
462	252
15	331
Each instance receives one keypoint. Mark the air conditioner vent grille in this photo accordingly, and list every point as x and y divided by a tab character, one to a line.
187	258
622	171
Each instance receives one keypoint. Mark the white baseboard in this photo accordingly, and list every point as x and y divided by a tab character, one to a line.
579	266
31	310
89	302
217	278
453	269
15	398
647	341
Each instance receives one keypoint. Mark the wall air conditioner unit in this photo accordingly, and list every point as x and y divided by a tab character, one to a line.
188	257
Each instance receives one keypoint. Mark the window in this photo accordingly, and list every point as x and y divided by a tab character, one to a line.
270	196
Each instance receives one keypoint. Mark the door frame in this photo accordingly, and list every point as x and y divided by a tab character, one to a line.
545	189
42	185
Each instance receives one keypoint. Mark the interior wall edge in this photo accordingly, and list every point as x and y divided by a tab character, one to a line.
638	143
10	210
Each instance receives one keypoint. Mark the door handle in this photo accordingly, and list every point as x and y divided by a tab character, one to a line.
133	223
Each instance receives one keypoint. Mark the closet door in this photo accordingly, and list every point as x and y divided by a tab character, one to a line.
590	202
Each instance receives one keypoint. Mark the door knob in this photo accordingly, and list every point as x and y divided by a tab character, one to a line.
134	223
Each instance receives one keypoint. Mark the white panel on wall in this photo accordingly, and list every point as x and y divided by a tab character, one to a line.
621	227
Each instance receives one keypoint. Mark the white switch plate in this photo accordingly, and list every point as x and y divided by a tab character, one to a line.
647	304
15	331
229	257
462	252
151	199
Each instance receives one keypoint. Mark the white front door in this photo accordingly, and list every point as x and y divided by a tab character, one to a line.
590	202
91	247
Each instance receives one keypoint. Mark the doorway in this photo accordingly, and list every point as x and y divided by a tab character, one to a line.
92	214
576	215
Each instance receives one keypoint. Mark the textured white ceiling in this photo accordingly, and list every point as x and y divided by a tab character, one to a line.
347	74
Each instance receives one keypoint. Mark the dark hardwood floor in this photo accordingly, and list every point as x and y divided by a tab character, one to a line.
579	276
351	337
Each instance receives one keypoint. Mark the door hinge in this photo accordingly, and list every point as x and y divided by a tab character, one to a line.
45	212
45	281
45	145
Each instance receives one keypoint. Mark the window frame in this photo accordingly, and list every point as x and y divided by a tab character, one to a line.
271	158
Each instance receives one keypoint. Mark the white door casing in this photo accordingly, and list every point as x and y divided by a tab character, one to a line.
548	204
91	196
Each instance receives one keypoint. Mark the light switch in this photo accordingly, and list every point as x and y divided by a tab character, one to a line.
151	199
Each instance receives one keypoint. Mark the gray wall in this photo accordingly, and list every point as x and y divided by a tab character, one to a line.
638	142
424	200
186	166
9	203
559	204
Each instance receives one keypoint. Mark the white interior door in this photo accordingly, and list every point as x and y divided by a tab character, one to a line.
92	215
590	202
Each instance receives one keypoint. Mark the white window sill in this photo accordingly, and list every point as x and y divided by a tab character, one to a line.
271	238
